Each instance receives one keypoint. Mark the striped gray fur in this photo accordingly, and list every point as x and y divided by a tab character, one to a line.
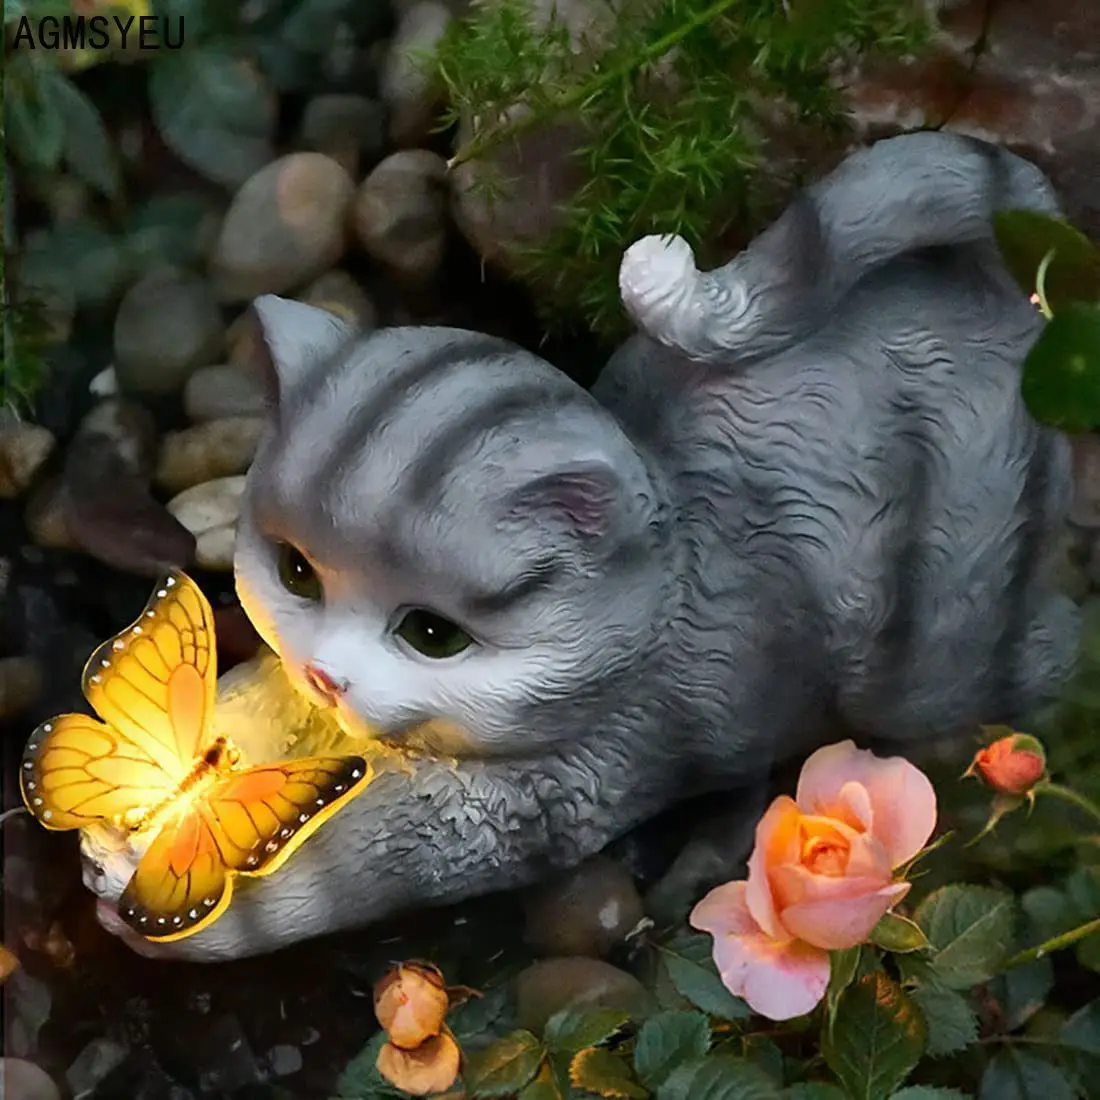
674	581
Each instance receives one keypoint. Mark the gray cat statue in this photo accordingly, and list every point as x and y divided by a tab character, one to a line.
807	491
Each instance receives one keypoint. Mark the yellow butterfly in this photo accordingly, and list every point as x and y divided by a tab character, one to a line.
152	763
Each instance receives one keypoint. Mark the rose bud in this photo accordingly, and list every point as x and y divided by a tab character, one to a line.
431	1067
1012	765
411	1002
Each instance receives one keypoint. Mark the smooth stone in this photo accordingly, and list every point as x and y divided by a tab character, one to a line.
128	428
586	911
210	511
92	1064
23	1080
337	292
46	517
285	226
20	685
348	128
24	447
213	393
167	325
550	985
284	1059
409	88
205	452
399	214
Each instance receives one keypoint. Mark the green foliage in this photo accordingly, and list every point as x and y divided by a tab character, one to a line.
878	1037
899	934
972	929
504	1067
671	104
686	965
667	1041
1048	256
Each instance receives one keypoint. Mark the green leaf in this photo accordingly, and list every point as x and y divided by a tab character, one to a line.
87	148
505	1066
928	1092
952	1021
573	1029
668	1040
1022	991
1049	912
599	1071
1061	380
1019	1075
34	129
764	1053
1026	236
814	1090
898	934
543	1087
361	1079
687	959
843	967
719	1077
971	929
1082	1030
215	111
878	1038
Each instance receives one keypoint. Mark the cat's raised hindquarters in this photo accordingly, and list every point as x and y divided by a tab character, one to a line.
930	188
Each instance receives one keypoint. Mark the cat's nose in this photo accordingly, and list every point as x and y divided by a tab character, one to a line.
324	684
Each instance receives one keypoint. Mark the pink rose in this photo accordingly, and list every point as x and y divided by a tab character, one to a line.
1012	764
820	876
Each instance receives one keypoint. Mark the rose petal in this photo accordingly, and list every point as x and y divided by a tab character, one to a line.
776	843
794	885
723	912
779	980
837	923
431	1067
903	802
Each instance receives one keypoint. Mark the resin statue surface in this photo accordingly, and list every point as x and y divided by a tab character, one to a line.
808	488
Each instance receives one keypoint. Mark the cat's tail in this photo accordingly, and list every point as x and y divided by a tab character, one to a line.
903	193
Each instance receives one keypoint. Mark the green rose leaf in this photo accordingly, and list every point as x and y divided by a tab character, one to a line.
1019	1075
878	1037
843	967
719	1077
87	149
1061	380
573	1029
668	1040
928	1092
505	1066
688	963
952	1022
1022	991
543	1087
599	1071
971	929
814	1090
1081	1036
361	1079
898	934
1025	237
34	129
216	112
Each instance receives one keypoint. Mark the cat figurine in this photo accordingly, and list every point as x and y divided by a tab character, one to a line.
806	490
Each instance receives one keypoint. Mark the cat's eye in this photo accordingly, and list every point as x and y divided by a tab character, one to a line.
296	574
432	635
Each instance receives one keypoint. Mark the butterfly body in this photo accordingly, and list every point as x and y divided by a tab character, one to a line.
153	768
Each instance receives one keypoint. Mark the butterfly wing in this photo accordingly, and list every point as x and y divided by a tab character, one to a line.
76	771
248	823
155	682
265	813
181	883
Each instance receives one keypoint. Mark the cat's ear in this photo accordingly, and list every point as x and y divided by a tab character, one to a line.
293	338
584	498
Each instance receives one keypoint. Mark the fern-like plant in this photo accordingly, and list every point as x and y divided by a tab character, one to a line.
674	103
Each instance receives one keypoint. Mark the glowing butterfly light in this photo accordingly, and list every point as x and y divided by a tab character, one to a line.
153	764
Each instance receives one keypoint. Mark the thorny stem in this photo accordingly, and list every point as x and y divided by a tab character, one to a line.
1071	796
485	140
1055	943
